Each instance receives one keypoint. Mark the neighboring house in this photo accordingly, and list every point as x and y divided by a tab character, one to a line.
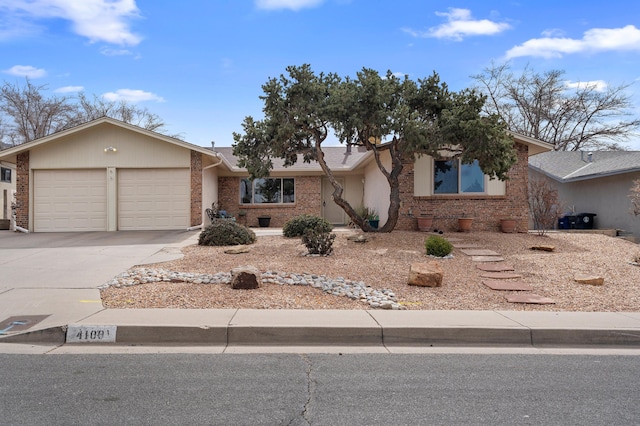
7	186
107	175
427	187
596	182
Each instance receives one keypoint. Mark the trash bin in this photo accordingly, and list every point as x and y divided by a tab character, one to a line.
585	220
566	222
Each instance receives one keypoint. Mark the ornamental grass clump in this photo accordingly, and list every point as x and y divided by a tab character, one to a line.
223	232
437	246
297	226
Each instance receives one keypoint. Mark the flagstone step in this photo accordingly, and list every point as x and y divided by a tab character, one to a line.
487	259
479	252
464	245
529	298
500	275
495	267
505	285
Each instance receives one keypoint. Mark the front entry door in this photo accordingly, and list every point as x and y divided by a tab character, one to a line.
330	210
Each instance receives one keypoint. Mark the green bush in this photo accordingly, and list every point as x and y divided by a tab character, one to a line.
297	226
318	242
224	232
437	246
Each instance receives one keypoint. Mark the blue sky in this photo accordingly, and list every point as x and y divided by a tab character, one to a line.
200	64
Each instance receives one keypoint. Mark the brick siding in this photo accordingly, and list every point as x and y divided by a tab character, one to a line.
22	190
486	211
308	193
196	188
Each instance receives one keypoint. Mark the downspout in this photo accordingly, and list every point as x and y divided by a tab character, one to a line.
210	166
21	229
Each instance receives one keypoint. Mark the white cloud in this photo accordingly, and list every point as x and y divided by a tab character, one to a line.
130	95
115	52
26	71
460	24
594	40
287	4
597	85
69	89
98	20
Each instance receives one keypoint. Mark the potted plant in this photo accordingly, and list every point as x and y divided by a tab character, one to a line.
508	225
264	221
425	223
464	224
374	220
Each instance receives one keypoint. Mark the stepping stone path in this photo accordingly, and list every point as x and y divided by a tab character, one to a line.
501	274
506	285
495	267
529	298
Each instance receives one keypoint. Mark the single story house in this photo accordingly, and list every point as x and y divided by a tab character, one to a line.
106	175
596	182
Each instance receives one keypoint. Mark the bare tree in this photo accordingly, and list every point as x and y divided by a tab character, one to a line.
31	115
544	107
27	113
544	205
634	196
97	107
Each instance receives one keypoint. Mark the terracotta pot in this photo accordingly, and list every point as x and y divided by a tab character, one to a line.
425	223
508	225
464	224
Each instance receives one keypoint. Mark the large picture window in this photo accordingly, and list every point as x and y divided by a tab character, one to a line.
5	174
267	191
453	177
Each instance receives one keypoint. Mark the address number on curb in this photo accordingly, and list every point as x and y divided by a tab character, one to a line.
91	334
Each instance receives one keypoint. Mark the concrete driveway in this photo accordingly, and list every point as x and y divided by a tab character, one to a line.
57	274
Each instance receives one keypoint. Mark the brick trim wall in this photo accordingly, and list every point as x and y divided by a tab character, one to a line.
22	190
308	192
486	211
196	188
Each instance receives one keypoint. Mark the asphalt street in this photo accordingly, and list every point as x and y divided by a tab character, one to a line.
316	389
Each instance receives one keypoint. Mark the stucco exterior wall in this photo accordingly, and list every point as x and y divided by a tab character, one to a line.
86	149
608	197
376	188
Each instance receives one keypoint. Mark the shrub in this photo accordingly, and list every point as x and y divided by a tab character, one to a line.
437	246
318	242
224	232
297	226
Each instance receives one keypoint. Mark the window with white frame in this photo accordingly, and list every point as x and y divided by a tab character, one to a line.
5	174
267	191
453	177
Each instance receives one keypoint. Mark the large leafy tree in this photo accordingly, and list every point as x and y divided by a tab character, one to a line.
382	113
544	106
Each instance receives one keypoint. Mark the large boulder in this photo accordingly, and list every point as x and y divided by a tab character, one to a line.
426	274
246	278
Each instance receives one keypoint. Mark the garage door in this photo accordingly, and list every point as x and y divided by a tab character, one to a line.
153	199
70	200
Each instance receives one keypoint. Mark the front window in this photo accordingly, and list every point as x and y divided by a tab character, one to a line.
5	174
453	177
267	191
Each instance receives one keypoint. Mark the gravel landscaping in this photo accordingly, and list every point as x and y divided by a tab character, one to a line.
380	267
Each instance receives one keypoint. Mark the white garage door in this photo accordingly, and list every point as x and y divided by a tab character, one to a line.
154	199
70	200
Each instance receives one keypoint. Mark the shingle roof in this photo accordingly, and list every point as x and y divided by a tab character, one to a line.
567	166
336	157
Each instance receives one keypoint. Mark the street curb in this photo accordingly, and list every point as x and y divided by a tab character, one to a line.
345	336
